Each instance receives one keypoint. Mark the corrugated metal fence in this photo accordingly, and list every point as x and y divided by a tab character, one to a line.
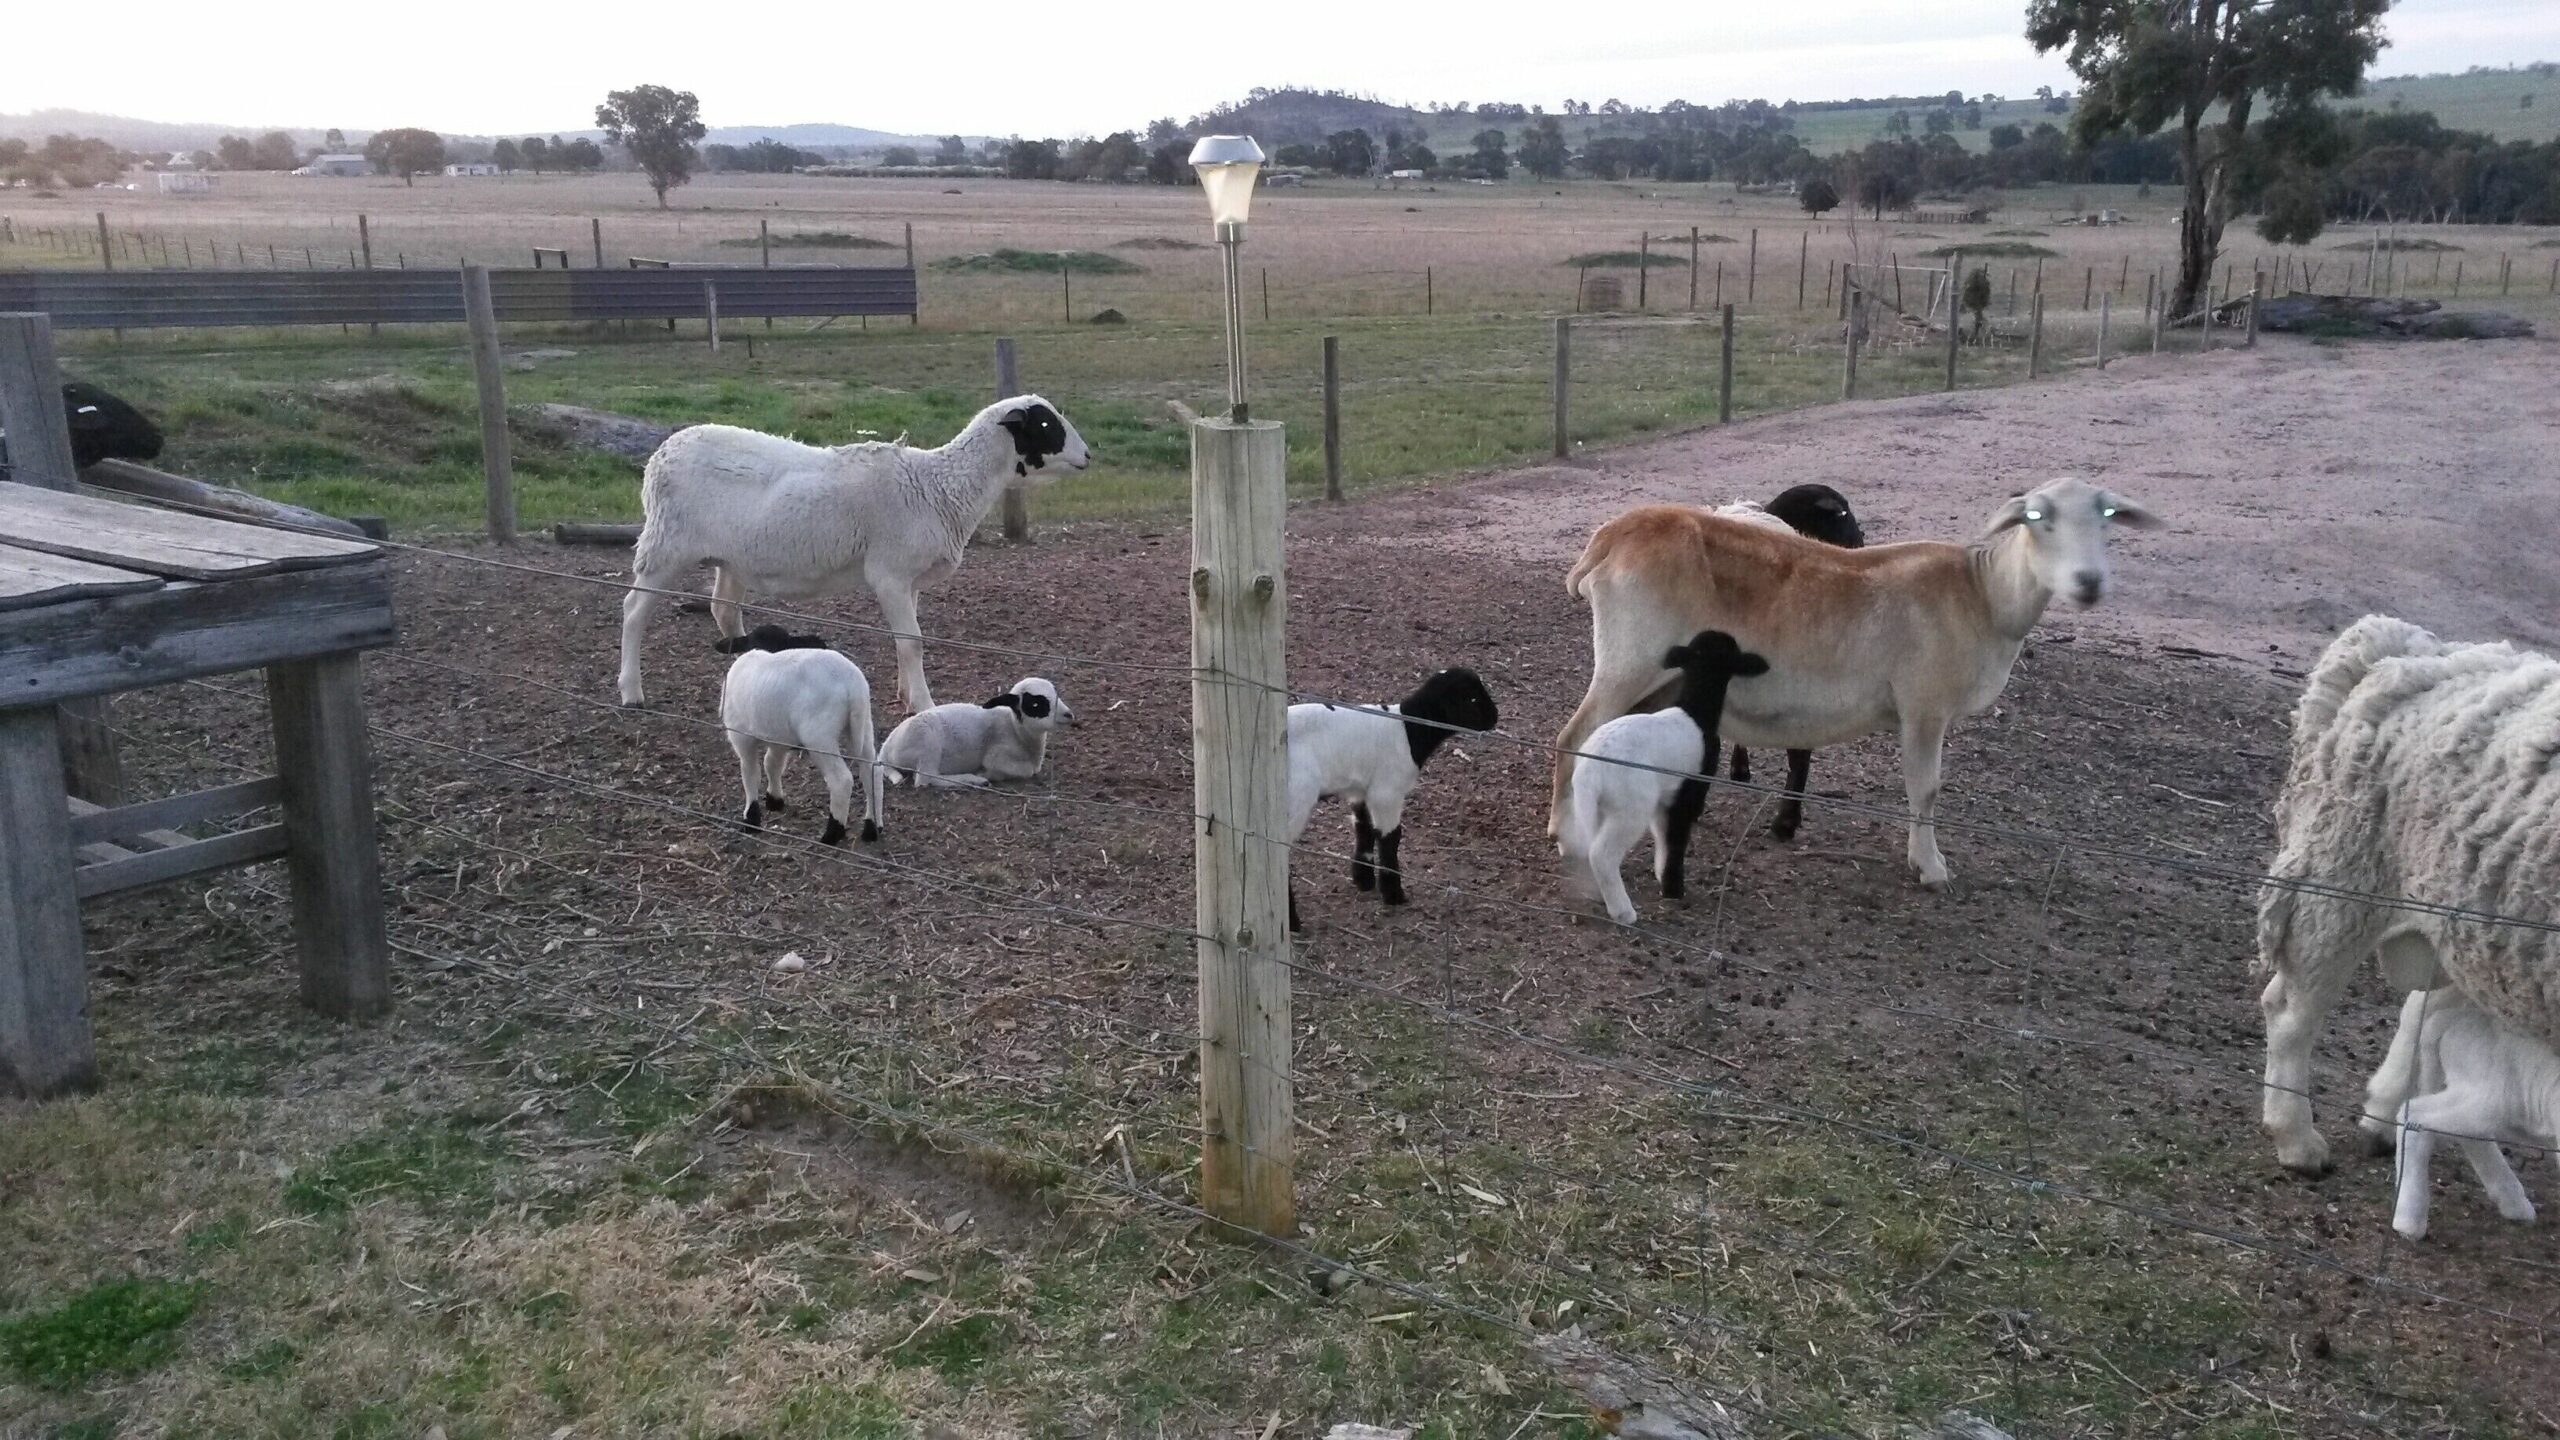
142	299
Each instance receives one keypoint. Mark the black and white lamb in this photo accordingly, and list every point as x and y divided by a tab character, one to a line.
788	521
1621	789
103	427
1006	738
2421	768
1816	512
1373	758
788	693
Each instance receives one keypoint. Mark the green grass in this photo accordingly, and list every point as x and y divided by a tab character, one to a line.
1623	259
2397	242
1039	262
810	240
1997	250
120	1327
444	1163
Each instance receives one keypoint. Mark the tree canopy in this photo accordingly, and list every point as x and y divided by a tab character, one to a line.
659	127
404	152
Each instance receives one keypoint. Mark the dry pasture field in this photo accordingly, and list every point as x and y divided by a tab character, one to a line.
607	1168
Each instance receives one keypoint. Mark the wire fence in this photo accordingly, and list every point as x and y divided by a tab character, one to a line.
1620	1221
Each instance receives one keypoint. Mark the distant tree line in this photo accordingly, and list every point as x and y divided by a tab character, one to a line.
72	160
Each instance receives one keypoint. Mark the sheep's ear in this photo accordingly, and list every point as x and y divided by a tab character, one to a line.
2126	512
1675	657
1006	701
733	644
2012	513
800	642
1749	664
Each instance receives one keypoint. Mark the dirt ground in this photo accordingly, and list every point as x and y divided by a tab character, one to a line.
2081	1017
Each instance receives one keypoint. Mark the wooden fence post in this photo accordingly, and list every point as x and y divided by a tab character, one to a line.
595	232
914	317
1564	387
2506	272
316	712
2124	275
2148	281
2257	292
1644	265
764	242
1239	620
1332	418
1724	371
2160	318
1693	267
106	245
711	314
1804	264
40	455
2106	311
1751	273
2035	335
496	461
1955	285
1067	292
1430	300
1857	302
1017	501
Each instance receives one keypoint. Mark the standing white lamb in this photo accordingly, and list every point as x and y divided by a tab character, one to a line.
787	693
1373	757
1006	738
2420	769
2461	1075
787	521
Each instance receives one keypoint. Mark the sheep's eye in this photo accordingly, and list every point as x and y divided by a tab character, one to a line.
2107	510
2035	514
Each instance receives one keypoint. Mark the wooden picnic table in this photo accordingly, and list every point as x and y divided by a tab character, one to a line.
97	597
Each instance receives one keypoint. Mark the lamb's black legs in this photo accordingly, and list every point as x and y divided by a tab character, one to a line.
1791	809
1364	838
1390	870
1680	817
1741	765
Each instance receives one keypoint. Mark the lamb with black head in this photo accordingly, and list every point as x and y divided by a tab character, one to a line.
1373	758
1816	512
1006	738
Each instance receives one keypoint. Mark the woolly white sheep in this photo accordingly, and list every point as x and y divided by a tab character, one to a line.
2455	1073
1006	738
2420	768
1373	758
787	693
1613	803
788	521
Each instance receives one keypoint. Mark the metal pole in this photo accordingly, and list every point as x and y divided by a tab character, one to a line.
1693	267
1231	244
2035	336
1857	302
595	232
2106	308
1644	265
1563	384
1955	273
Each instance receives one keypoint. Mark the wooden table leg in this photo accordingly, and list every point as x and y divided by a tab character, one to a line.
45	1047
325	760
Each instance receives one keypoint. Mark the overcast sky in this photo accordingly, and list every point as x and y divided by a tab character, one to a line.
482	67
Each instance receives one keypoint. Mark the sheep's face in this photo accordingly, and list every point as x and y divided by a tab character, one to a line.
1038	704
1819	512
1040	434
1713	653
1455	696
2065	523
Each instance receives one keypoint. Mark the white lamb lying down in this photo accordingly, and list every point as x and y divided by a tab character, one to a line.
1006	738
786	693
2477	1082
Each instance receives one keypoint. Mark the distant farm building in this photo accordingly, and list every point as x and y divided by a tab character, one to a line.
189	182
1972	215
476	168
1397	178
345	166
1286	179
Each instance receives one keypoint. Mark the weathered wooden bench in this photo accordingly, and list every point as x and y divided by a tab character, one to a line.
97	597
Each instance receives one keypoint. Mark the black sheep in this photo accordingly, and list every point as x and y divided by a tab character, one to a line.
1817	512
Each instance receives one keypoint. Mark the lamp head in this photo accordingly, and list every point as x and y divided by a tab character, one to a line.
1227	166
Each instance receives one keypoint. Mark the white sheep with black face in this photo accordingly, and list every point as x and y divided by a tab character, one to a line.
787	521
789	693
1006	738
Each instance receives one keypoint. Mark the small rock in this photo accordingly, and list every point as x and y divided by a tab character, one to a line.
791	964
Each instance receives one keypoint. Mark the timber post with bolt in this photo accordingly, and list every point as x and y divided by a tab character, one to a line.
1239	698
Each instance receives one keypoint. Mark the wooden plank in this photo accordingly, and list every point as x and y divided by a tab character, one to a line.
31	577
1239	618
45	1046
102	850
31	404
318	711
195	497
178	862
161	542
126	822
184	631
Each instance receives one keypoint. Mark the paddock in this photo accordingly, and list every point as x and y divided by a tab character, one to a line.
1800	1107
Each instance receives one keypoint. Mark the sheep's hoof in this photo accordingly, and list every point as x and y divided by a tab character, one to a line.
870	832
1363	878
774	805
1782	829
1393	897
834	834
753	820
2308	1158
2380	1139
